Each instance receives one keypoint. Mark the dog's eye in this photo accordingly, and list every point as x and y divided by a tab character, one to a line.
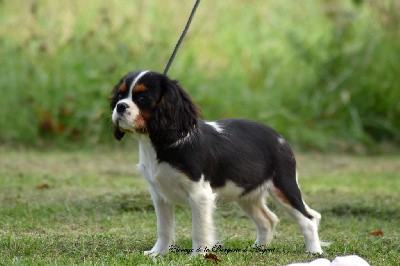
143	99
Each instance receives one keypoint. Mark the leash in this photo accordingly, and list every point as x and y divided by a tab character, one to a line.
171	59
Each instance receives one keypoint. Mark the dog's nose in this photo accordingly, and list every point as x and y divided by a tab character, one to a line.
121	107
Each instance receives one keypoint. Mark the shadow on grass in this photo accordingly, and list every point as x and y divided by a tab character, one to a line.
137	202
375	211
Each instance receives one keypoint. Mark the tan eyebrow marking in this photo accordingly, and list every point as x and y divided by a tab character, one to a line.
139	88
123	87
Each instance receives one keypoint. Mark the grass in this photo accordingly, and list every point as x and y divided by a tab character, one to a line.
90	207
323	73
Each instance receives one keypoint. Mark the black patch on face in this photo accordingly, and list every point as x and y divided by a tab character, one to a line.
116	94
143	100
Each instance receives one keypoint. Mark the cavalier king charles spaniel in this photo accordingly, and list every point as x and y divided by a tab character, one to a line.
186	160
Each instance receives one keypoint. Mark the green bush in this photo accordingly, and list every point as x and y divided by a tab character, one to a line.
323	73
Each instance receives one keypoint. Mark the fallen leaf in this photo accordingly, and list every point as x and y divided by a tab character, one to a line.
213	257
377	232
43	186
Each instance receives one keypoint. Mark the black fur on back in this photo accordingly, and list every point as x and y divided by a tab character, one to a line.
246	153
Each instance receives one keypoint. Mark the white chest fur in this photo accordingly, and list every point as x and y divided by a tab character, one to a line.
166	181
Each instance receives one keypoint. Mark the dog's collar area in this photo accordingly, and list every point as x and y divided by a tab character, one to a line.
184	139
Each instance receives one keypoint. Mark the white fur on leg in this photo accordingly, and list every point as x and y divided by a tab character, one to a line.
263	218
309	228
202	203
165	226
315	214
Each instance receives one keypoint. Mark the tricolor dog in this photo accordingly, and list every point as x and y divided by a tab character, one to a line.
186	160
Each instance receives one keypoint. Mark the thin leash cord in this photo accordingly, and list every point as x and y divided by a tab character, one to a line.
171	59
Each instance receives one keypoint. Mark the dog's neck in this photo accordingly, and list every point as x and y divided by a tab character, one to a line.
147	157
146	147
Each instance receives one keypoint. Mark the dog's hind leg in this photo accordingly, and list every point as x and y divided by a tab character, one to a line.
287	195
263	218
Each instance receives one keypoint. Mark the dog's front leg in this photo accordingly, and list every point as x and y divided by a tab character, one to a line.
202	203
165	226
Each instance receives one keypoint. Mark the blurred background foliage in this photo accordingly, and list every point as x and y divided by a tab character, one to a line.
324	73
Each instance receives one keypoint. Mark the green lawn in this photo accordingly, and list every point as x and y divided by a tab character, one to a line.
91	207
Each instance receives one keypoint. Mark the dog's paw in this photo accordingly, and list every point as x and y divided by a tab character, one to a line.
154	252
160	248
149	253
315	251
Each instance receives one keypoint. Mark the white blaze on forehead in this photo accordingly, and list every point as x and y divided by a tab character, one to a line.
141	74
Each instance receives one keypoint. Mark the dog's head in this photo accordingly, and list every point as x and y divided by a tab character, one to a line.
147	102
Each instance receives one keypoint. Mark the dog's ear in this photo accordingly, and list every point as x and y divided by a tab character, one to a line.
175	115
118	134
